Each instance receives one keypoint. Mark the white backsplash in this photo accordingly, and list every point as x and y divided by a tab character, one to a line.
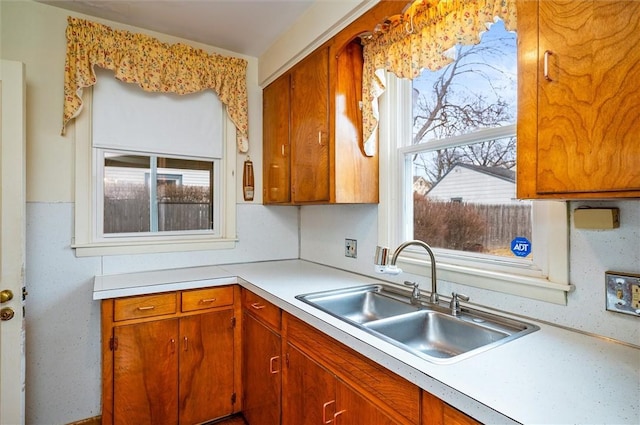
592	252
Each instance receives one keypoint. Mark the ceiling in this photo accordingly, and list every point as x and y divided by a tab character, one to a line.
248	27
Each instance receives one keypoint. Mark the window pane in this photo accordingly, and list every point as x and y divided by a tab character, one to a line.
477	90
156	194
464	193
463	206
184	194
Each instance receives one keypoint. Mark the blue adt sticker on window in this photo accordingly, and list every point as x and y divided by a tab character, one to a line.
521	247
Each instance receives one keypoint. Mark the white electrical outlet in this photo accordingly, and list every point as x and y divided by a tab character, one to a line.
350	248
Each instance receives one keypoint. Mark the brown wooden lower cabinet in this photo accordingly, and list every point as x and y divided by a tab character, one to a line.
145	384
173	358
170	358
206	373
261	369
326	380
314	395
308	389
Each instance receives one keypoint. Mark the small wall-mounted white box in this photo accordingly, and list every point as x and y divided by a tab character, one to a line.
596	218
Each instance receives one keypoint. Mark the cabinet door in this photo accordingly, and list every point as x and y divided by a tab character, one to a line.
588	102
309	391
353	409
145	374
356	175
262	373
206	366
310	128
275	138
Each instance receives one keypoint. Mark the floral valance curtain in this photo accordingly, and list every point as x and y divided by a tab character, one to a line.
154	66
421	38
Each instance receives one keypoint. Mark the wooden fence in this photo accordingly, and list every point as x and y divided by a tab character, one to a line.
470	227
503	224
132	215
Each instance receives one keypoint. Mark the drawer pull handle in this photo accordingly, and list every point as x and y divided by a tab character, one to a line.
258	306
148	307
173	345
338	414
272	361
186	344
324	412
207	300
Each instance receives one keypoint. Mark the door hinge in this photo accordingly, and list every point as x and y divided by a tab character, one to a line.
233	322
233	398
113	343
286	359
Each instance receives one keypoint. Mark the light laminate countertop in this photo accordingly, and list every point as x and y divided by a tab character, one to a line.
552	376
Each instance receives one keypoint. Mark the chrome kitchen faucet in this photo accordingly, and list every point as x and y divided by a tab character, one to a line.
383	265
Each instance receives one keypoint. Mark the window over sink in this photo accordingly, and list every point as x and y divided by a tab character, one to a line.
452	159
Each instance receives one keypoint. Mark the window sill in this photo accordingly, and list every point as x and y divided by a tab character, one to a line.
149	247
537	288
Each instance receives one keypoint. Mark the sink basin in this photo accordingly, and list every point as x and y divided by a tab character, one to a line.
435	335
428	331
361	304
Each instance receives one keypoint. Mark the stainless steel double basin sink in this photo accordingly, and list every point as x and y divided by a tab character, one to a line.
426	330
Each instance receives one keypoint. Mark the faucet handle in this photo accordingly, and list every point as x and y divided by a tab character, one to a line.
455	295
415	294
454	305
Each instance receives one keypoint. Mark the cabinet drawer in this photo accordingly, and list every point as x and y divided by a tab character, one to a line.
199	299
261	308
144	306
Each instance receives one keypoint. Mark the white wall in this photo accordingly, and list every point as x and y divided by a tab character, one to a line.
592	252
62	320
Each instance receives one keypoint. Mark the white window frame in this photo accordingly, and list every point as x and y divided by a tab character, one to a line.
547	280
98	224
86	239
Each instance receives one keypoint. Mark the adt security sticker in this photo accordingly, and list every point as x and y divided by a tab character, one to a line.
521	246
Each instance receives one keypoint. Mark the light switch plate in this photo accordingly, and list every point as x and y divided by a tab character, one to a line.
351	248
623	292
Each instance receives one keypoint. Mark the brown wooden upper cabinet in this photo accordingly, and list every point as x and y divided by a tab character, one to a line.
579	103
312	124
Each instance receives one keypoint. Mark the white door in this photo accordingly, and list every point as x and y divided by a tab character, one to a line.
12	242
